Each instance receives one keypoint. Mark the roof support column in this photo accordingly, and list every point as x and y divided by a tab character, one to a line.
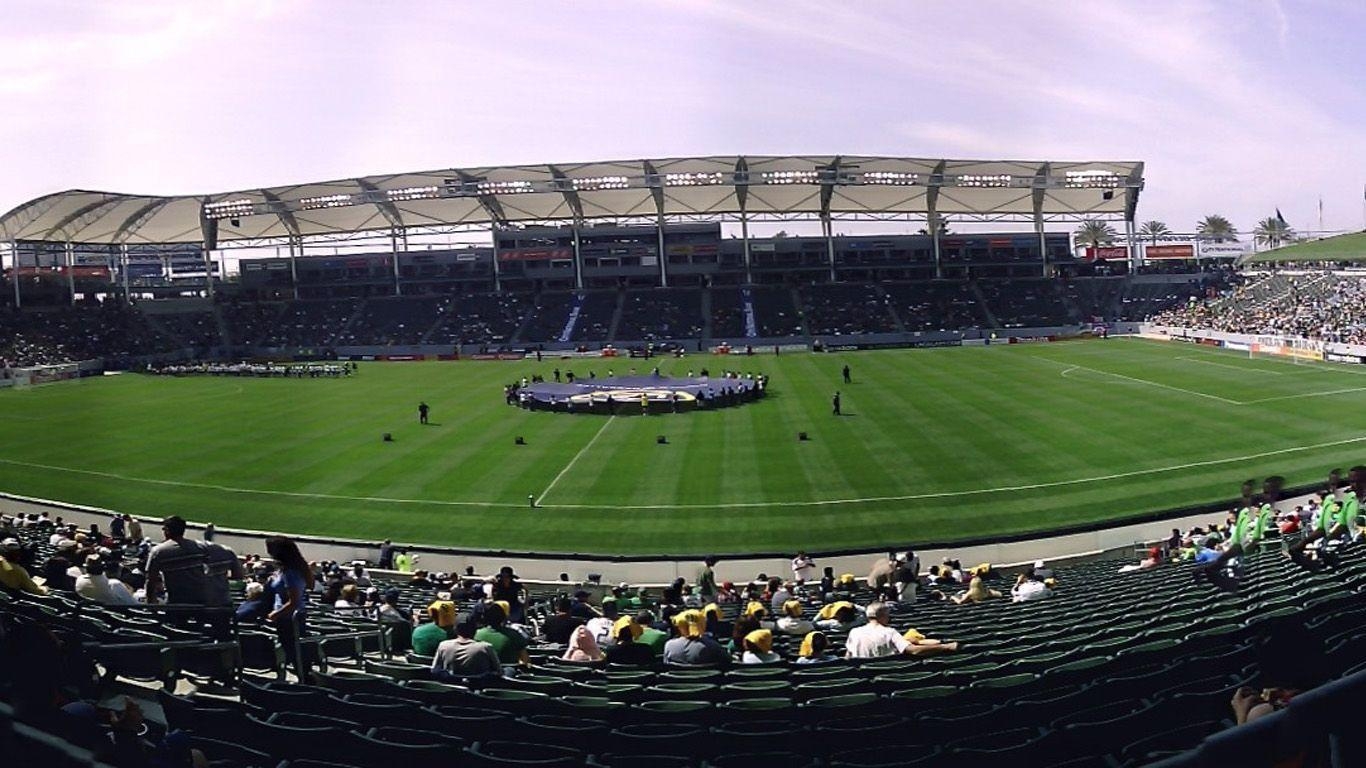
293	268
497	271
744	240
14	271
209	270
70	251
663	272
932	222
1040	183
1132	244
578	257
827	229
393	250
123	255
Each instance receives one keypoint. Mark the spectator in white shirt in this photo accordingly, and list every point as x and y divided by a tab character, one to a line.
1027	589
95	585
803	568
791	622
876	639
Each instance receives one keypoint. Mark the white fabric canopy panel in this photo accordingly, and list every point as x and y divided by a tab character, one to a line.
720	187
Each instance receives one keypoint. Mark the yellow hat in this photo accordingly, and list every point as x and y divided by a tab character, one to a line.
755	609
808	644
829	611
690	623
912	635
761	639
793	608
627	622
442	612
712	610
506	606
846	578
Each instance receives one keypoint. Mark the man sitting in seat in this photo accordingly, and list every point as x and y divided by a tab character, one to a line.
432	634
463	656
693	645
506	641
877	639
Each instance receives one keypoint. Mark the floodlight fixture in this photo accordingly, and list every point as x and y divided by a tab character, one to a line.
790	177
1094	179
413	193
325	201
891	178
229	209
998	180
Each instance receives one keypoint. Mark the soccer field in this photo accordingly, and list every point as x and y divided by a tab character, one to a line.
935	445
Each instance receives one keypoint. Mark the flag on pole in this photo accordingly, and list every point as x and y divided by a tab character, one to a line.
1280	218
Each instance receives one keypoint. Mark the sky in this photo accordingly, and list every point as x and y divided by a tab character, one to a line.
1237	108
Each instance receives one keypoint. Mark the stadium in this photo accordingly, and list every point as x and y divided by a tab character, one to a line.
646	427
619	311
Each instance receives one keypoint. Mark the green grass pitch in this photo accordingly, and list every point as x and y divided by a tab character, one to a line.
936	445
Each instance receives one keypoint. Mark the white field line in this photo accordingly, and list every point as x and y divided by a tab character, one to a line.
735	505
1304	395
1206	395
1302	367
1238	368
253	491
574	460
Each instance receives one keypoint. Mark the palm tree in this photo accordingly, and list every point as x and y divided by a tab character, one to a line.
1273	232
1217	228
1095	233
1154	230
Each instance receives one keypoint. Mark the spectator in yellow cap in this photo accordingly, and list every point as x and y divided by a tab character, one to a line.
791	622
815	649
626	650
693	645
437	630
759	648
759	612
839	615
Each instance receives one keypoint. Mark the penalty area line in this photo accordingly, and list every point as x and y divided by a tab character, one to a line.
574	460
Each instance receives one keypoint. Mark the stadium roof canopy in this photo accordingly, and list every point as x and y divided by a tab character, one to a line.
1348	247
701	188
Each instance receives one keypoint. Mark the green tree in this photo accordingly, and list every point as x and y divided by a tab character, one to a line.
1217	228
1273	232
1095	233
1154	230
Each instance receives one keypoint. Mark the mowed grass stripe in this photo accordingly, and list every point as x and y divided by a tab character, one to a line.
946	421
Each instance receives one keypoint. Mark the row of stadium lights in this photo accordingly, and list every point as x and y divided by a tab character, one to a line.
233	209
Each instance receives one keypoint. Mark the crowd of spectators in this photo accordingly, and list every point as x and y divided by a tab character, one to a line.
842	309
1321	306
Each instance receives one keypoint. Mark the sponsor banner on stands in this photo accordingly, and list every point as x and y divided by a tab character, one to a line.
1105	252
1210	342
912	344
1169	251
1338	357
402	358
498	356
1031	339
1237	346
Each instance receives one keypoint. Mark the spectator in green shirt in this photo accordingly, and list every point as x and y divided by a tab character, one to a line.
650	636
437	631
509	644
